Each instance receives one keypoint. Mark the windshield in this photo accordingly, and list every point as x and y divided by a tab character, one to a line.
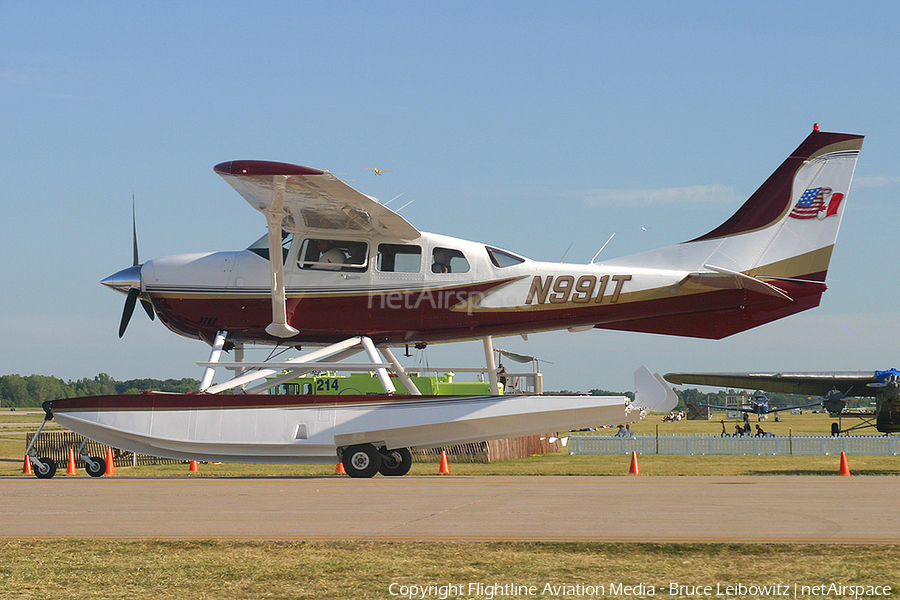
261	246
501	258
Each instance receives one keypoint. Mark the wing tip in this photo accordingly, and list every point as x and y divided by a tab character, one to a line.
263	167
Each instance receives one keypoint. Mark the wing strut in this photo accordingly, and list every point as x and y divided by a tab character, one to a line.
493	378
275	215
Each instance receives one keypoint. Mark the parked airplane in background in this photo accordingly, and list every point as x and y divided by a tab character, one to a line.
759	405
341	270
831	386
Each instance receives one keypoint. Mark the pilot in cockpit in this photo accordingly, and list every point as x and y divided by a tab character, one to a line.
330	254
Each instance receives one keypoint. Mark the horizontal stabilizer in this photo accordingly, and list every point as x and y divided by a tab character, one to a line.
726	279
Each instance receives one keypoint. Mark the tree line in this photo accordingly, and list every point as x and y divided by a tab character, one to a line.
695	396
17	391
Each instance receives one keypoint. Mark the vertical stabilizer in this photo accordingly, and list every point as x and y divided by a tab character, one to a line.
768	260
788	227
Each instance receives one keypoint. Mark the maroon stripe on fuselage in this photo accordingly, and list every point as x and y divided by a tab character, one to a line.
733	313
328	319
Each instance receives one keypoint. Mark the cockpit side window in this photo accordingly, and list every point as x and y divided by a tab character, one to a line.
261	246
325	254
501	258
447	260
399	258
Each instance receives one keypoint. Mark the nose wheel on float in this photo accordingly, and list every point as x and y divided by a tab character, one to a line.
42	467
365	460
45	468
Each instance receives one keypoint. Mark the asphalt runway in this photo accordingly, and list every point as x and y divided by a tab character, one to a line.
635	509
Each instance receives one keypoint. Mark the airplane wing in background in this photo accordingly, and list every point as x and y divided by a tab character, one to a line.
724	407
313	200
768	409
851	383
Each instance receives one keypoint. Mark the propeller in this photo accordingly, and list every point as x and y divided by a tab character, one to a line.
128	281
130	300
834	401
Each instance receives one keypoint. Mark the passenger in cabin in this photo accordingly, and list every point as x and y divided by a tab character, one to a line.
441	261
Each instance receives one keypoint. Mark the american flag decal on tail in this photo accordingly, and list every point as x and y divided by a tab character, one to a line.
818	202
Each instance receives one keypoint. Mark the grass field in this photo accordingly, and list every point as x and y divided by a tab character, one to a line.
88	569
91	569
808	423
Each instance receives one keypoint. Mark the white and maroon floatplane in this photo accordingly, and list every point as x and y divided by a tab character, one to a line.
339	269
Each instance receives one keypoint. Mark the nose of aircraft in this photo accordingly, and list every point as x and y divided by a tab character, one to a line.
128	282
124	280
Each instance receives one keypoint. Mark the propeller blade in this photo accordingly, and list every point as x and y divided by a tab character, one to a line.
137	261
148	308
130	301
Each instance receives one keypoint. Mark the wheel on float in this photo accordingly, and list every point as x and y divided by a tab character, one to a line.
362	460
95	468
395	463
46	469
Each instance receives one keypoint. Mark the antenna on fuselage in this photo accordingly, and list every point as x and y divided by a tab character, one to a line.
602	247
567	251
405	205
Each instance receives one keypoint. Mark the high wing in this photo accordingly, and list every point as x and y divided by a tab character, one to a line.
852	383
312	199
302	199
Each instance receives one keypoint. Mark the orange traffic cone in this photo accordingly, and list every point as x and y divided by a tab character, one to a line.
339	469
70	467
845	467
635	469
26	468
110	464
195	467
444	469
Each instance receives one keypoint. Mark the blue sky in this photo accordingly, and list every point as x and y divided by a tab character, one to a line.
531	126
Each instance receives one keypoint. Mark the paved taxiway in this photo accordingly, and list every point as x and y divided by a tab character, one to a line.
652	509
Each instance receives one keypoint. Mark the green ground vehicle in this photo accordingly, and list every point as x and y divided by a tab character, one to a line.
331	383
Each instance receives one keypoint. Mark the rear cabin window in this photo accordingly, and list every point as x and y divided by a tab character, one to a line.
399	258
447	260
333	255
501	258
